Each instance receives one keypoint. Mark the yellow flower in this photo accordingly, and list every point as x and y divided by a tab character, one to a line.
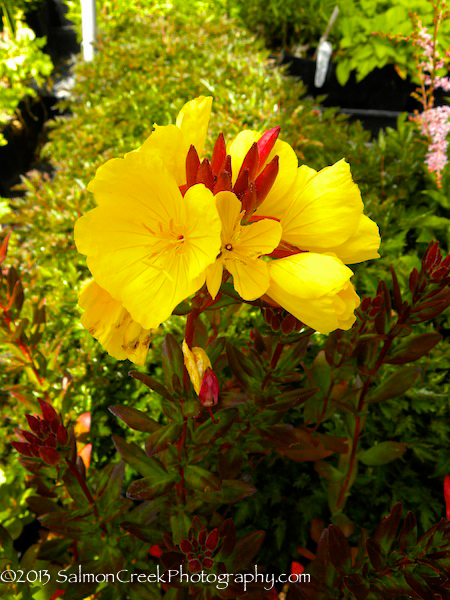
111	324
316	289
318	211
241	251
147	246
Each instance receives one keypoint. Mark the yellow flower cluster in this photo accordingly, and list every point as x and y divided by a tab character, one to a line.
167	223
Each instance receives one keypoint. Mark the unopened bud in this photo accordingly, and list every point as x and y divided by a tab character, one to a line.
49	455
194	565
33	424
209	391
186	546
212	540
62	435
23	448
208	563
202	537
48	412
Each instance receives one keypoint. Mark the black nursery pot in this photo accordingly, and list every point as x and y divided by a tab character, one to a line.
377	100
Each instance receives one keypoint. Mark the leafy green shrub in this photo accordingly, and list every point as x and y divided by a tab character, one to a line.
22	63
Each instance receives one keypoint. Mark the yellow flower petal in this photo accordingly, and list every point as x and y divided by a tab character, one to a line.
277	207
362	245
172	146
193	120
250	275
325	212
230	212
315	289
288	164
149	249
214	278
259	238
108	321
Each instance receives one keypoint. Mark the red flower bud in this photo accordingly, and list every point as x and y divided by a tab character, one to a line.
208	563
209	391
439	274
288	324
413	280
296	568
62	435
49	455
50	441
48	412
250	163
32	439
447	495
249	199
54	425
23	448
266	143
223	183
265	180
365	303
205	175
45	427
202	537
186	546
431	254
241	183
219	154
192	166
194	565
33	424
212	540
155	551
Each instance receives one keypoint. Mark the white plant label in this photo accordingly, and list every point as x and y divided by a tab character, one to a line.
324	52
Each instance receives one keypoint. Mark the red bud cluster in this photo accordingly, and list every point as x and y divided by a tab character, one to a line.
49	438
280	320
372	305
253	182
199	550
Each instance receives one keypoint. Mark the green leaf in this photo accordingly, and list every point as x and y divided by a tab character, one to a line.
152	384
161	439
246	549
201	479
382	453
148	488
136	458
414	348
395	385
172	363
134	418
210	431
